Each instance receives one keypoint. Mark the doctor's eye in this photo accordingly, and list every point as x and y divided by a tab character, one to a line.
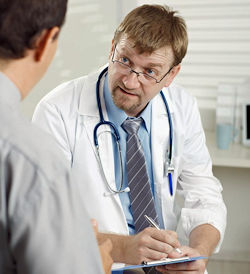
150	72
124	60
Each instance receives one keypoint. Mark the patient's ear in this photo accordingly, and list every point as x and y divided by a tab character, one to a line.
46	40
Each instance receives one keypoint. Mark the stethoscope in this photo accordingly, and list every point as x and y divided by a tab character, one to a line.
169	169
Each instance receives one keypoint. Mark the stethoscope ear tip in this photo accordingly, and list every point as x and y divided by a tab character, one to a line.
108	194
127	189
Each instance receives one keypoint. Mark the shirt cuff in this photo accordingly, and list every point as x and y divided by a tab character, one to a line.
191	218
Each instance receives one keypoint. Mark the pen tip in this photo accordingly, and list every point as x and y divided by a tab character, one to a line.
178	250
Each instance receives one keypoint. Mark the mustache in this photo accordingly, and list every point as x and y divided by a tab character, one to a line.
127	90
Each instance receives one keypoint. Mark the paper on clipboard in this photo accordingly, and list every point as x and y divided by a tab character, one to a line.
121	267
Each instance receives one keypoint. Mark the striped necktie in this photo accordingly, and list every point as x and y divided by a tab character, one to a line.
141	197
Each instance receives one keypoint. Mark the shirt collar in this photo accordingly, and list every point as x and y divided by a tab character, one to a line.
9	93
117	115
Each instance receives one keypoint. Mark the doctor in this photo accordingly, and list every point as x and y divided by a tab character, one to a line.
146	53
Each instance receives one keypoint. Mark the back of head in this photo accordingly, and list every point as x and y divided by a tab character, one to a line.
21	22
151	27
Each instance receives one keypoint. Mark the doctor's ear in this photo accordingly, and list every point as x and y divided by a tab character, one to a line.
172	74
112	48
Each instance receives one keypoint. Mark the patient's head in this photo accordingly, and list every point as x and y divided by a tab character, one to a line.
22	21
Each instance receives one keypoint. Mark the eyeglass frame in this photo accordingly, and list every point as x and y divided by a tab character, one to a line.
138	73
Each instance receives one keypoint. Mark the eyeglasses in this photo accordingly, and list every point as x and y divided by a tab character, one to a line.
124	67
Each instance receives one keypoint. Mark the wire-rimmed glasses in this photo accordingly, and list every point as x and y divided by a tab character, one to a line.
143	77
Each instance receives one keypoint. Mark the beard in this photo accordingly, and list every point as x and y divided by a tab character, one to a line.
130	103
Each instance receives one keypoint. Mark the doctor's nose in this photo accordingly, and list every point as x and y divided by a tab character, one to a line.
131	80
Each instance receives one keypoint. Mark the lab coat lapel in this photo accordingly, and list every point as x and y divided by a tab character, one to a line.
89	114
160	138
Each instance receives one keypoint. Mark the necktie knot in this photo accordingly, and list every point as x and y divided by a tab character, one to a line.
131	126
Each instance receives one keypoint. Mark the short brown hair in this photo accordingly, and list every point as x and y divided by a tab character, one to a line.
151	27
21	22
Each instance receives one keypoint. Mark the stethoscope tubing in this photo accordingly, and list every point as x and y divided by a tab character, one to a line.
102	121
117	135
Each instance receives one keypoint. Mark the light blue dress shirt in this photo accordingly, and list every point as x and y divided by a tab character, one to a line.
117	117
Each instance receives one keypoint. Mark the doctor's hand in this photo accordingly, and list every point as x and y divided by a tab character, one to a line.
195	267
105	248
150	244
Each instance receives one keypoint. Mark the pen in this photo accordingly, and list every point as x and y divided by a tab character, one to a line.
154	224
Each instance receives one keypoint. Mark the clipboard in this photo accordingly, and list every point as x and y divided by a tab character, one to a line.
119	269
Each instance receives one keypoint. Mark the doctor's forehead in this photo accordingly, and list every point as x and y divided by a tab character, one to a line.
126	44
127	47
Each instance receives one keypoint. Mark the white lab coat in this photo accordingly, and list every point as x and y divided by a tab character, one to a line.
70	113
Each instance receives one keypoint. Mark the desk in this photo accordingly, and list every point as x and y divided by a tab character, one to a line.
236	156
